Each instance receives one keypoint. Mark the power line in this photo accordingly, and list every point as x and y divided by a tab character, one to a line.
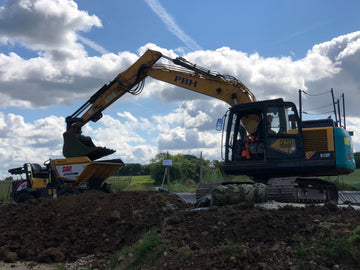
305	112
315	95
325	106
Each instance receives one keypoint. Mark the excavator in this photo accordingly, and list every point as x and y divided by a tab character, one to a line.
265	140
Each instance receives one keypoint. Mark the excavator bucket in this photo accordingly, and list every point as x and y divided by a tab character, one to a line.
77	145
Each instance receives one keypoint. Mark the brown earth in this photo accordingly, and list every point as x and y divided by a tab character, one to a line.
153	230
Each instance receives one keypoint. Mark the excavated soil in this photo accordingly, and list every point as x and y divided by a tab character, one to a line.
153	230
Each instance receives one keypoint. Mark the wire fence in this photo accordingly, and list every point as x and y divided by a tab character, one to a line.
118	183
327	109
5	189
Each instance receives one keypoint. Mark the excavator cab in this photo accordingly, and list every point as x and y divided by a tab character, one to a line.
37	182
267	139
263	138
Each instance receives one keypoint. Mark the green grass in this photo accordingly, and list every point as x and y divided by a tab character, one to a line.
146	251
60	267
218	177
179	187
146	183
5	188
141	183
119	183
347	182
131	183
335	246
230	248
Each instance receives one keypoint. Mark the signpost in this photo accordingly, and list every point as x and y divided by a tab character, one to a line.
167	163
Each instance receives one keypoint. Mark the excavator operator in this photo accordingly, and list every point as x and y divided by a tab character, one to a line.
259	131
254	146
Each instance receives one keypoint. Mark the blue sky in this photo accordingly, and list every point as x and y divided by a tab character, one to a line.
54	54
273	29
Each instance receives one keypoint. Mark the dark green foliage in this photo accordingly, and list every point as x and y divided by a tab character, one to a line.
357	159
132	169
184	168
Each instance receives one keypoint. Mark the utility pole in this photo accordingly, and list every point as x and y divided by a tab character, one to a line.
300	106
343	103
333	99
168	173
338	104
201	168
167	163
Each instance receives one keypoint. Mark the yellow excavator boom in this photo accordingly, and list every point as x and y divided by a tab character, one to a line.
183	74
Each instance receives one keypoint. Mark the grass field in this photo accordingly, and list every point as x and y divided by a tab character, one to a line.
347	182
146	183
131	183
5	188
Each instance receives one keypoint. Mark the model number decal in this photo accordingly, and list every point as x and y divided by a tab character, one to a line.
325	155
346	141
285	143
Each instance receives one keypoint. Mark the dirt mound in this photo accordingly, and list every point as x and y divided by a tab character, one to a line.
70	227
153	230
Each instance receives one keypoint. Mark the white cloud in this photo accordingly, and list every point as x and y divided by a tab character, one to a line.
199	114
22	141
93	45
170	23
62	72
45	24
51	80
353	124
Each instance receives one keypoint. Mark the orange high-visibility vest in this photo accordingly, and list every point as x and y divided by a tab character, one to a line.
245	153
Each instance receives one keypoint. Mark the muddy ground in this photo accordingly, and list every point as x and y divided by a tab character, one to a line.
153	230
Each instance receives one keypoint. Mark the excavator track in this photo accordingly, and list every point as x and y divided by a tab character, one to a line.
281	189
205	188
289	190
301	190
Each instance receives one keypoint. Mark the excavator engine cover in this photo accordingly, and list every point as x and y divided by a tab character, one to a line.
77	145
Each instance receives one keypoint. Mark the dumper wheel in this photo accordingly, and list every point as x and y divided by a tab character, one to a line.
23	197
107	188
68	191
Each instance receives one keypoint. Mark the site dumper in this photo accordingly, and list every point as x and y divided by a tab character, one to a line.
62	176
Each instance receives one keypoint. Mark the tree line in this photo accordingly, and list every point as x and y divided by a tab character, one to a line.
184	168
357	159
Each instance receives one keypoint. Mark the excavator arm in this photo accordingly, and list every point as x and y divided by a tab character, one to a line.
128	81
197	79
183	74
